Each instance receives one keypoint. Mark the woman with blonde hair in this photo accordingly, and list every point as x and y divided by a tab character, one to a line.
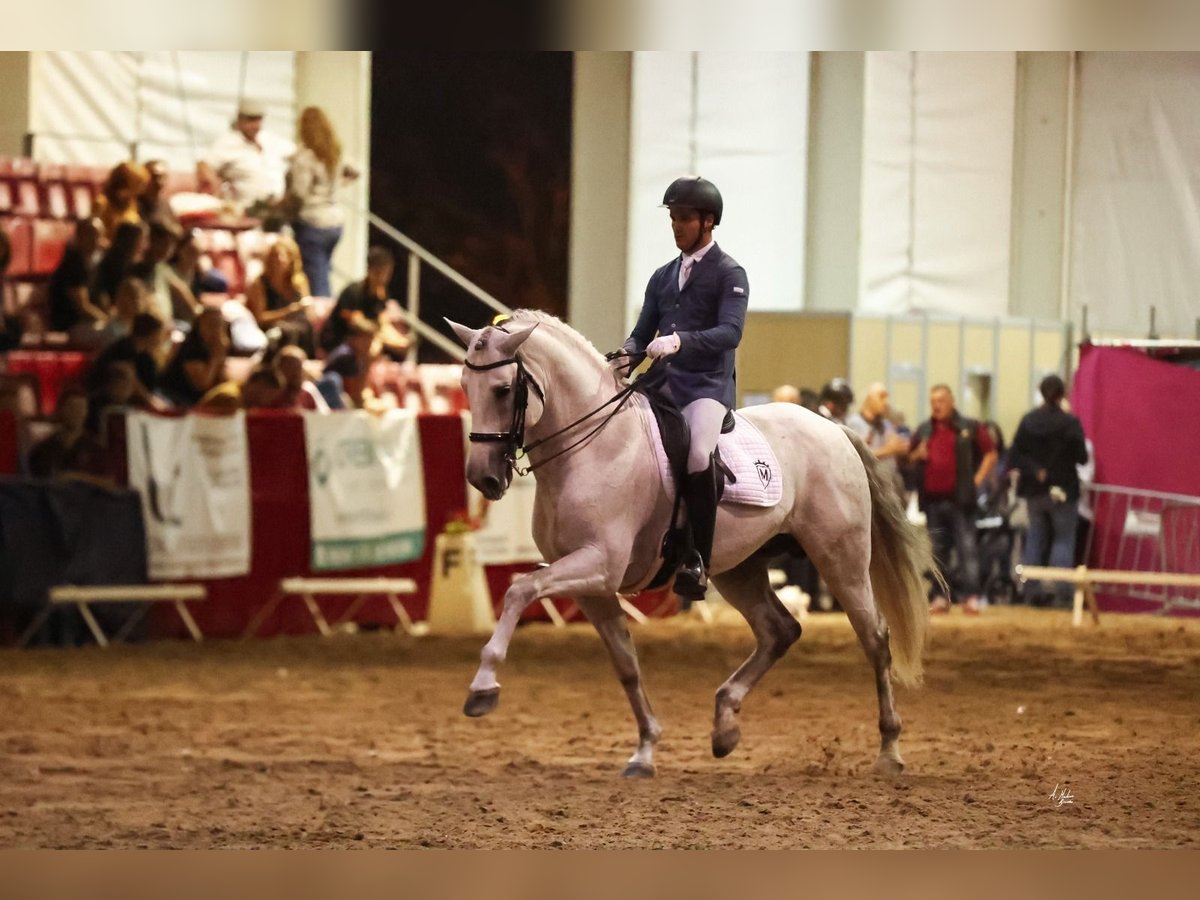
118	200
313	181
280	296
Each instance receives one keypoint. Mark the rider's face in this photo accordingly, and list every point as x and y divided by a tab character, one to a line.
688	226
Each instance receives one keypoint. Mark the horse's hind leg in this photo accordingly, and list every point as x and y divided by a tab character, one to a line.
748	589
609	619
856	598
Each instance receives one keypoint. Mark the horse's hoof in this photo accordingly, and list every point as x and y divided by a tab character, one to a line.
725	741
480	703
888	766
639	770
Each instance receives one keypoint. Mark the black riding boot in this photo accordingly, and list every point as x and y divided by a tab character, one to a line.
700	494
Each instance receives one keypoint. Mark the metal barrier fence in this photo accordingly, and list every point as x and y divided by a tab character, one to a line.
1144	531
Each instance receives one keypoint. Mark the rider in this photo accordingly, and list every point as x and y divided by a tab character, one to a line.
696	304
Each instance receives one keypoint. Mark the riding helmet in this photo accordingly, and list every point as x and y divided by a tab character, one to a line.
697	193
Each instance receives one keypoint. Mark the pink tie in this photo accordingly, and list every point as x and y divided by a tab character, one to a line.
685	270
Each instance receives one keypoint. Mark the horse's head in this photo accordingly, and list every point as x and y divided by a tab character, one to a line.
504	400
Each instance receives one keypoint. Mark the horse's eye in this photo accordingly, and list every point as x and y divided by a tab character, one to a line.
502	391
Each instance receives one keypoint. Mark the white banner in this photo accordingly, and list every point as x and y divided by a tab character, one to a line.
193	474
366	485
506	535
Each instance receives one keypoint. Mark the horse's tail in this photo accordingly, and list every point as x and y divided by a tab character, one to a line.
900	556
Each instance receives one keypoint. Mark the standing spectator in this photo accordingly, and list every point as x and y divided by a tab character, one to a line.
152	201
366	300
835	400
199	363
313	180
955	456
118	200
786	393
124	253
69	448
279	297
171	297
871	423
247	164
1046	450
68	291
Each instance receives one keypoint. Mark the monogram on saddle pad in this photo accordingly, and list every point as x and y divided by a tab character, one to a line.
749	470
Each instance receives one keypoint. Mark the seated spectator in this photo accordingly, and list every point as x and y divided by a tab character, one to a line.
69	449
116	392
130	300
351	361
124	253
299	391
171	298
11	327
279	297
68	291
366	300
190	266
138	350
263	389
198	365
152	201
118	200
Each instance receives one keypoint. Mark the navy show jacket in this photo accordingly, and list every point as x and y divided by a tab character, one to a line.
708	315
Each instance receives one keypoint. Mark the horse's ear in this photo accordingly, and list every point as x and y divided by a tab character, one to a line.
465	335
508	343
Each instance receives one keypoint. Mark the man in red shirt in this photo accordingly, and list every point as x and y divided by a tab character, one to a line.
954	455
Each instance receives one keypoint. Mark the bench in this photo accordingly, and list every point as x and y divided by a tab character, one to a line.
309	589
84	595
1084	580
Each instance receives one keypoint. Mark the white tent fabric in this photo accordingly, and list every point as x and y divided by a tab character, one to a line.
937	182
748	133
1135	220
101	107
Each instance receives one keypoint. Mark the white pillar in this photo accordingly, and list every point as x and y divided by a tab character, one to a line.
339	81
599	196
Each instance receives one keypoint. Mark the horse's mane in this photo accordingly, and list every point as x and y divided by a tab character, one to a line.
559	327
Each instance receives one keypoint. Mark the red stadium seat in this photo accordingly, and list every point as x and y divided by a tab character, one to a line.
27	199
54	370
20	239
50	237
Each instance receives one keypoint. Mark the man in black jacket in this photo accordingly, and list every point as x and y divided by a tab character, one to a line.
1049	444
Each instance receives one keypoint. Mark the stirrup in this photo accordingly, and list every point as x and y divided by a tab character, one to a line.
691	581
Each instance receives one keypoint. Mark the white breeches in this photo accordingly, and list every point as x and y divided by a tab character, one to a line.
704	418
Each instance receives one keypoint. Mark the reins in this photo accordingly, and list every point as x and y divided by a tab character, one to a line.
515	436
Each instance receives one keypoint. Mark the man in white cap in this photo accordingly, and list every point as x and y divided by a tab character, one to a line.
251	161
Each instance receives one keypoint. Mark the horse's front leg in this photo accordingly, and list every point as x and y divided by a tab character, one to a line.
583	572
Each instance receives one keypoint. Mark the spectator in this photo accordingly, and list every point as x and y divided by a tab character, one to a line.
118	263
313	180
786	393
955	455
1046	450
118	200
299	391
279	297
10	326
198	365
69	448
152	202
366	301
810	400
351	362
139	350
263	389
835	400
171	297
189	265
247	164
68	291
117	391
871	423
797	568
129	303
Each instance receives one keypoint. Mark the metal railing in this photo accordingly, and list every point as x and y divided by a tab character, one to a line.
1135	530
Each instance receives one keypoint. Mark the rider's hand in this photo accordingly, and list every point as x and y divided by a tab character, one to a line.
664	345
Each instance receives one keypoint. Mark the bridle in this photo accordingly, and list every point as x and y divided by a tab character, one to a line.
515	436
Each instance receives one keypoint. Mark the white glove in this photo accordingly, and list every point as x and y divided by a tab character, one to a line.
664	345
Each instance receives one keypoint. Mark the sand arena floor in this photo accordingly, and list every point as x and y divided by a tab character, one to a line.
358	741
